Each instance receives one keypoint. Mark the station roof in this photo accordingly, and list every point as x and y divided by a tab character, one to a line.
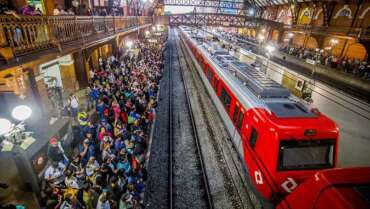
239	4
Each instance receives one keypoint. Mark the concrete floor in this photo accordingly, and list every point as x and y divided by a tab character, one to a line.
351	115
353	119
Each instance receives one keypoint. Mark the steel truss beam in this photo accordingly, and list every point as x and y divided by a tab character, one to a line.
223	4
217	19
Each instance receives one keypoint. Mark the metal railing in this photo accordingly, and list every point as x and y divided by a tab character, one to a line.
361	33
31	33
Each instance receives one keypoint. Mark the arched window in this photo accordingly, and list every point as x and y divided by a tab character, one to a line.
345	11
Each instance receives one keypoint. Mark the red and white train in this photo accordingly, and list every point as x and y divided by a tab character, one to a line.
281	141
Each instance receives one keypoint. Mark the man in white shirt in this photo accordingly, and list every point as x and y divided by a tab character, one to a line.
73	102
55	173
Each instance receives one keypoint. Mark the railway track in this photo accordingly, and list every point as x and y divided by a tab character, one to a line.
178	170
188	179
237	182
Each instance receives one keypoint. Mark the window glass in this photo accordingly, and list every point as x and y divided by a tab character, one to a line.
226	99
236	112
240	120
364	191
216	84
299	155
210	75
253	138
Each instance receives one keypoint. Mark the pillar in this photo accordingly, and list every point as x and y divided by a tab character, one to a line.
35	94
49	6
80	67
281	36
366	44
115	48
320	40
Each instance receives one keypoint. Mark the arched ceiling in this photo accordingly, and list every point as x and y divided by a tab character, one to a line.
242	4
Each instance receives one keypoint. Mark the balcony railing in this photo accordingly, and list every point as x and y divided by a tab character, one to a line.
19	36
360	33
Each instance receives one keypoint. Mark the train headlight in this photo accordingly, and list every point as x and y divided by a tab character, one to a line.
310	132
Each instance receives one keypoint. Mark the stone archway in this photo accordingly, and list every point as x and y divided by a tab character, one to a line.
365	18
285	16
275	35
298	39
318	17
311	43
342	16
356	51
305	16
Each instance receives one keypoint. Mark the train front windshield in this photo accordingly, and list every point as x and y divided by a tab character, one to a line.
306	155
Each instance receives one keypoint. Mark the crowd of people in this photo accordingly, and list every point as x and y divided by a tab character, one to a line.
7	8
353	66
107	169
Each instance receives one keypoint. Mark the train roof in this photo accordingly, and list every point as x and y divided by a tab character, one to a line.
274	95
289	109
261	85
271	95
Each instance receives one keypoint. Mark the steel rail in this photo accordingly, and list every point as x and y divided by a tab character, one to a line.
170	125
190	65
196	136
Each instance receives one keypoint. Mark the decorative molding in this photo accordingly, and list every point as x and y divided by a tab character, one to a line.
362	16
343	12
317	14
303	13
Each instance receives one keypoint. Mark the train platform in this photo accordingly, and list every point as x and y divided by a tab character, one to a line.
354	85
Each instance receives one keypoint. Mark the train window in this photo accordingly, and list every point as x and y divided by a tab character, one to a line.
210	76
364	191
240	120
225	99
300	155
205	67
236	112
253	138
216	84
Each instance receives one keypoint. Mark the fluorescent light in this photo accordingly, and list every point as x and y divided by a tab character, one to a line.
21	112
129	44
5	126
270	48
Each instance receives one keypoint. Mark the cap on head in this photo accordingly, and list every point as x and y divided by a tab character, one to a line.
53	141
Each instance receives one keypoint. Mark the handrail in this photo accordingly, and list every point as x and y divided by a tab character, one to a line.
232	20
25	34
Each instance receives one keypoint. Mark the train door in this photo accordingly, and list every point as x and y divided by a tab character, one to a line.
209	75
205	66
226	99
216	84
193	49
200	58
252	140
237	118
